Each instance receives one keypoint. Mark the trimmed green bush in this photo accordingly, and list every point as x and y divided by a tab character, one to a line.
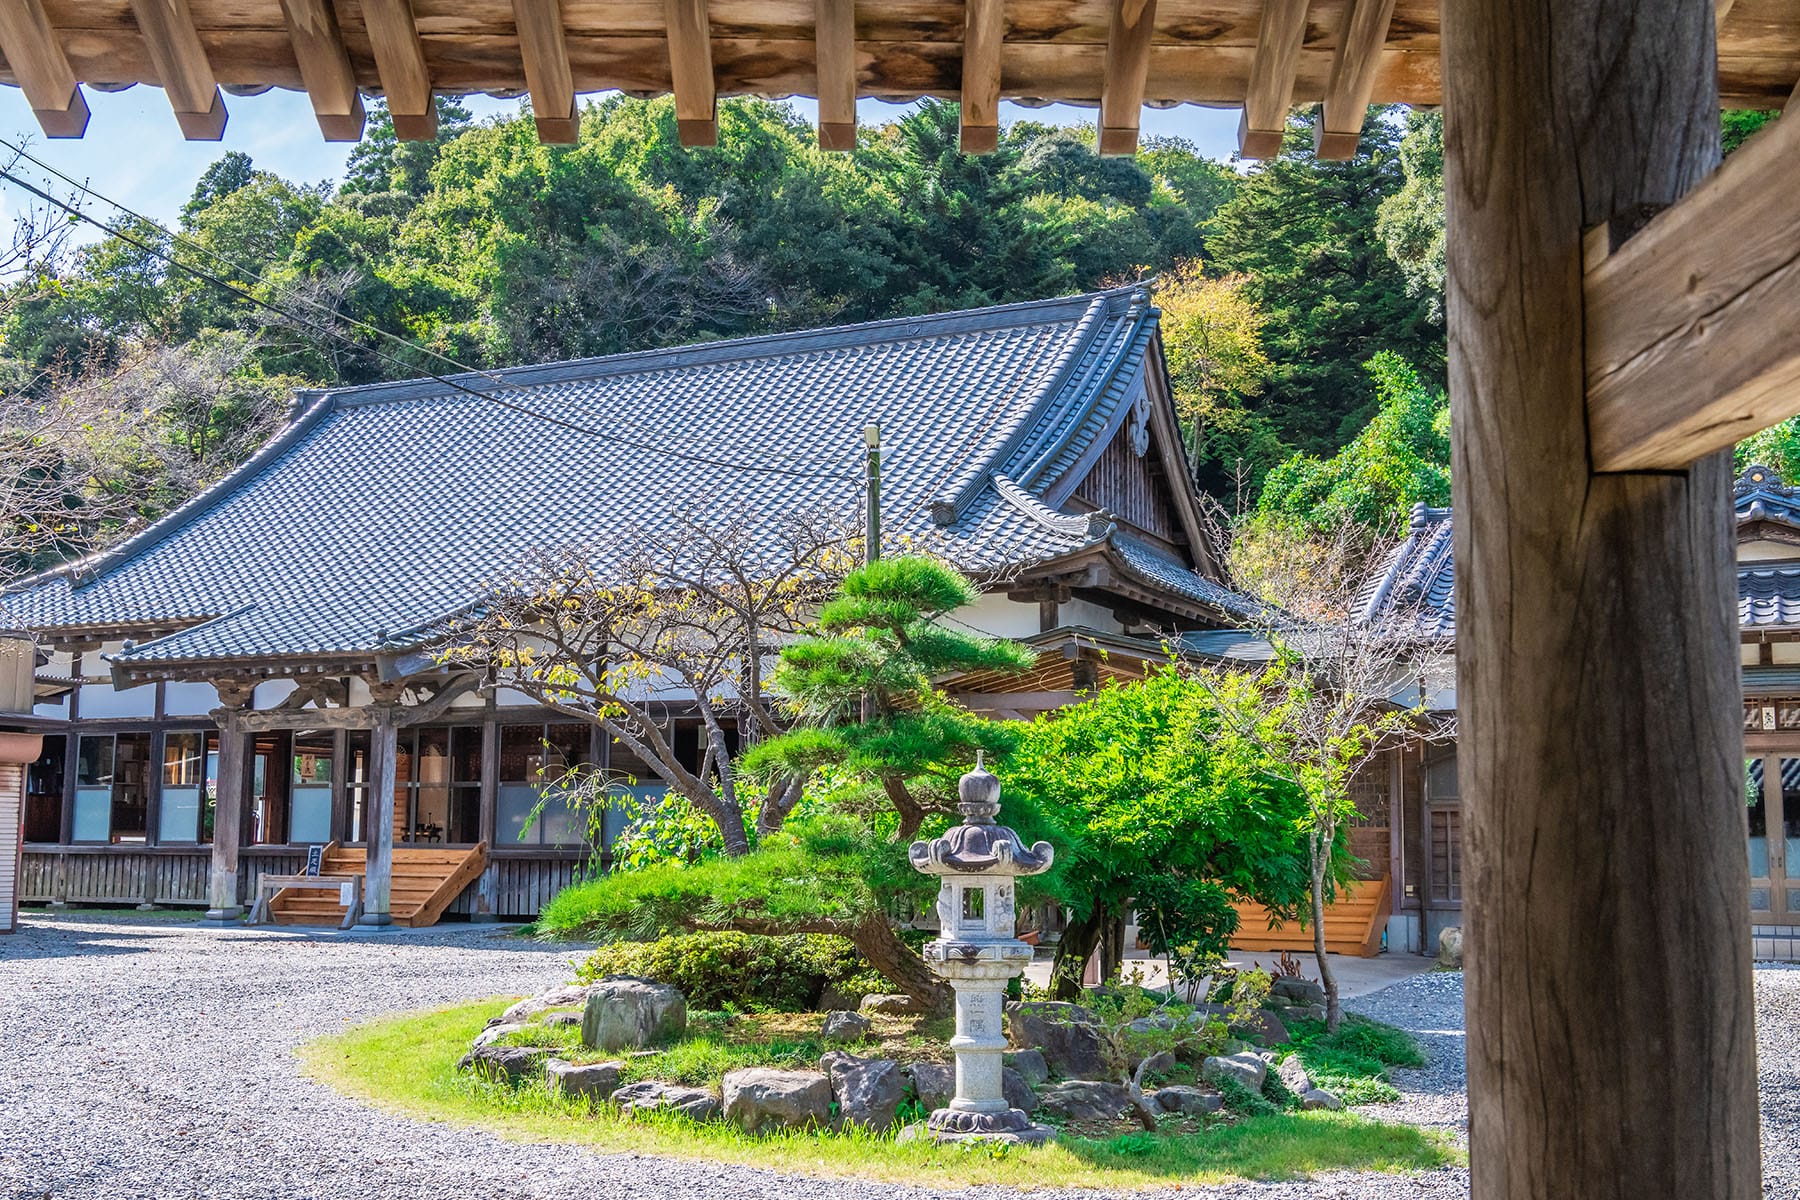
737	970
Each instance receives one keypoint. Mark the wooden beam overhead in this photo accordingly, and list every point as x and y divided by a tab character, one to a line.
984	30
42	69
691	71
834	39
1270	92
325	68
1127	67
1338	127
546	61
1721	10
400	60
1693	323
180	59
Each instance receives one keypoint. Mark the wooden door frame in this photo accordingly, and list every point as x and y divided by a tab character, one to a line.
1784	888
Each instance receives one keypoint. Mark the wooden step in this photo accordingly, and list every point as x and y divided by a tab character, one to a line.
422	884
1353	925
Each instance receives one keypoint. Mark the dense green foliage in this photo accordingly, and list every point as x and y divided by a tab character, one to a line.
726	969
1304	233
1353	1062
1152	814
1399	459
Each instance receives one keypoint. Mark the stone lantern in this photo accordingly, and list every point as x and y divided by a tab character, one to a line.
977	952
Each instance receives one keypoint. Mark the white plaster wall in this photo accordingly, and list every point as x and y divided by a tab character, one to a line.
273	692
1088	615
996	616
1766	551
98	696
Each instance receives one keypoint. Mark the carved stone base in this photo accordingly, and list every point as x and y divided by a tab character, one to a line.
1008	1125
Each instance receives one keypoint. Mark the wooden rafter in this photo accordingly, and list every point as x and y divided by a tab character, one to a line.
42	69
187	77
1270	91
835	50
325	66
405	77
1338	130
1691	322
1127	68
1721	10
691	72
546	55
984	29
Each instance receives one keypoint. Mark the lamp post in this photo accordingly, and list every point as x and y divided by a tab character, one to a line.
977	952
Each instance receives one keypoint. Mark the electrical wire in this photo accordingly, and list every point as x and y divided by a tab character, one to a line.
214	280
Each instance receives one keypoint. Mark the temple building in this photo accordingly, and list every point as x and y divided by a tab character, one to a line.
236	683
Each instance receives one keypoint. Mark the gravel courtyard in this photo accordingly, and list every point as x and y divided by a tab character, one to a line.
145	1060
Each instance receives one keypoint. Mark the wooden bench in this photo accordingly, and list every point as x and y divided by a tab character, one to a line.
350	887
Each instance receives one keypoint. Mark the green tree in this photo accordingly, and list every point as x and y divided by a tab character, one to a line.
1401	458
1212	336
862	695
1304	232
1154	811
1410	222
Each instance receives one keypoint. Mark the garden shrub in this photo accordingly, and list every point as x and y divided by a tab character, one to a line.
1241	1100
1353	1062
736	970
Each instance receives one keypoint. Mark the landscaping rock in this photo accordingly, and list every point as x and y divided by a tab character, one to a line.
573	996
590	1081
889	1004
653	1095
1086	1100
505	1064
493	1032
1063	1032
933	1083
868	1090
762	1098
1018	1092
1262	1027
1159	1064
1030	1065
1293	1074
1450	948
845	1027
625	1013
1296	989
558	1019
1186	1100
1320	1098
1246	1068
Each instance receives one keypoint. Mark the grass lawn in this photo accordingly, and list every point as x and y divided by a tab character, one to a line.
407	1064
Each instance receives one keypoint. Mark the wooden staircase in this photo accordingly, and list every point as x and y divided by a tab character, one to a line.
1353	925
426	880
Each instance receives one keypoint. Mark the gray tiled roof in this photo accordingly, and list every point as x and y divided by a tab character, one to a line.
1418	579
386	508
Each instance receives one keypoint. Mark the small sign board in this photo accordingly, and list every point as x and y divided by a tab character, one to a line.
315	859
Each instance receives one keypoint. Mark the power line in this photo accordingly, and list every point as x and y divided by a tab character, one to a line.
307	323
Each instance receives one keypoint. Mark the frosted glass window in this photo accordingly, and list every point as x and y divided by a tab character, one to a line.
182	774
189	699
93	814
310	819
103	700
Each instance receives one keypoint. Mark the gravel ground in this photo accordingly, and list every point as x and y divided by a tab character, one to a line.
142	1060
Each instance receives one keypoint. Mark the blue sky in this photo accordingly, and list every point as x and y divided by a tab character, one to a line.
133	152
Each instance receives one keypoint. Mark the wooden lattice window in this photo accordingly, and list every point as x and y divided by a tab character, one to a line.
1446	854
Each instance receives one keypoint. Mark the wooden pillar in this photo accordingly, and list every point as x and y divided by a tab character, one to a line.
378	873
487	890
224	897
1611	1050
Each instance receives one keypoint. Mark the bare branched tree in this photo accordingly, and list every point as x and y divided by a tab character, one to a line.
1347	680
691	613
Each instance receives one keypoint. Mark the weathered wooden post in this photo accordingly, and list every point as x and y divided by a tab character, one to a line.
224	896
378	869
1601	749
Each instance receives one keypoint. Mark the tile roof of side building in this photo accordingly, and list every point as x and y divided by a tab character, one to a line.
388	507
1416	585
